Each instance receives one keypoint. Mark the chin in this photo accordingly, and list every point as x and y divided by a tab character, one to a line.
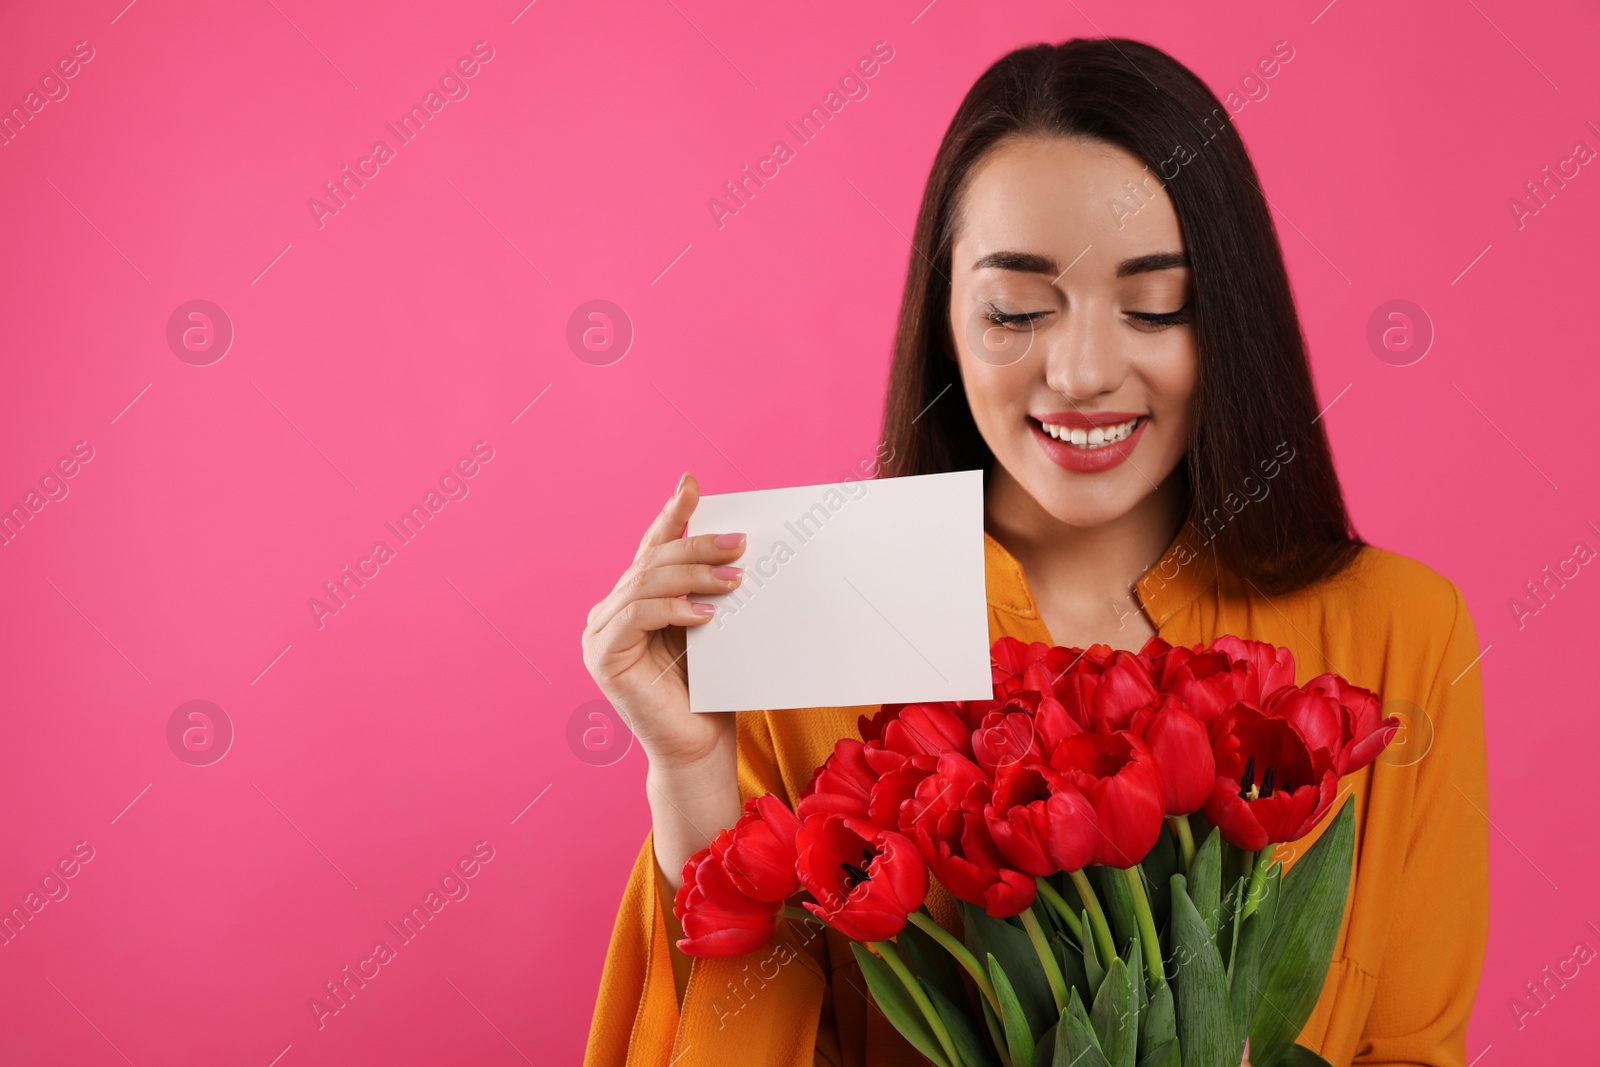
1085	506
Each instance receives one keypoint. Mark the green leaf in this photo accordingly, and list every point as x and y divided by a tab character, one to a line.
1070	960
1076	1043
1205	881
1158	1025
1159	865
963	1031
1300	1056
1134	960
897	1006
1010	945
929	960
1091	959
1166	1055
1200	989
1115	1016
1117	900
1044	1052
1019	1035
1244	969
1299	948
1232	904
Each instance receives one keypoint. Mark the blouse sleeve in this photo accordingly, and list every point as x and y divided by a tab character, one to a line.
1434	955
636	1018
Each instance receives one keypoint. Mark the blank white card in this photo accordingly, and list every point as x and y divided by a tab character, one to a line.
857	592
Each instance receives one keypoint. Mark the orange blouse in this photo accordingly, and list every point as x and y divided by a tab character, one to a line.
1411	943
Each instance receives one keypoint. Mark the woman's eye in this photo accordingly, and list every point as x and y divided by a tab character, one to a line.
1160	319
1010	318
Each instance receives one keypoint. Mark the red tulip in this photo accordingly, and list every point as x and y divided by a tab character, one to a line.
866	879
1119	776
1363	731
1105	688
1040	823
760	854
717	918
1008	734
842	785
891	791
926	728
1181	748
1266	667
945	820
1035	666
1271	785
1154	653
1208	683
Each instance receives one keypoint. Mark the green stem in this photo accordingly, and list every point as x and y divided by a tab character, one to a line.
963	955
1258	880
1147	927
789	911
891	956
1047	958
1058	904
1097	917
1180	827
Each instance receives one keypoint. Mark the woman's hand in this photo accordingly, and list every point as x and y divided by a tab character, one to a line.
633	647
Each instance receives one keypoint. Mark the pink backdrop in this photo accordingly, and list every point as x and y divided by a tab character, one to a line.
419	733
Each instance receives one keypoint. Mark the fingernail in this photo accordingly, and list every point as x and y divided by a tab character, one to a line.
727	574
730	540
704	609
684	477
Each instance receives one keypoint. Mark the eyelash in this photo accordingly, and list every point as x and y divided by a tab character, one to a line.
1160	320
1006	318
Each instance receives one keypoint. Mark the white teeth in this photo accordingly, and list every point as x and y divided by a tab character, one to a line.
1098	437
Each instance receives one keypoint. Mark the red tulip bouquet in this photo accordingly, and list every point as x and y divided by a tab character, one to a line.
1062	815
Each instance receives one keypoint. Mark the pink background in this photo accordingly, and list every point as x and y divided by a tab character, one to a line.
374	752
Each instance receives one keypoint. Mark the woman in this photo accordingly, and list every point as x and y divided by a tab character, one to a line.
1097	314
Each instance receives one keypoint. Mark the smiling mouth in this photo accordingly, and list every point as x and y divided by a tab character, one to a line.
1091	439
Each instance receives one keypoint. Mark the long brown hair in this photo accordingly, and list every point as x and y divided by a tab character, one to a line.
1254	401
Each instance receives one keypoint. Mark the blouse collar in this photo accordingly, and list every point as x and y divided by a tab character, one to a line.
1188	568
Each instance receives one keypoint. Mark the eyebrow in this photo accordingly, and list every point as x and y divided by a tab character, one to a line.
1034	263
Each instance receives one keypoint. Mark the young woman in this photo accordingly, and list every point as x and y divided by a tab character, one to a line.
1097	315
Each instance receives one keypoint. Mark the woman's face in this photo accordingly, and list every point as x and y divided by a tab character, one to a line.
1069	308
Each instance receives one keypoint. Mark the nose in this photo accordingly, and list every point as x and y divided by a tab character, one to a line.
1084	359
